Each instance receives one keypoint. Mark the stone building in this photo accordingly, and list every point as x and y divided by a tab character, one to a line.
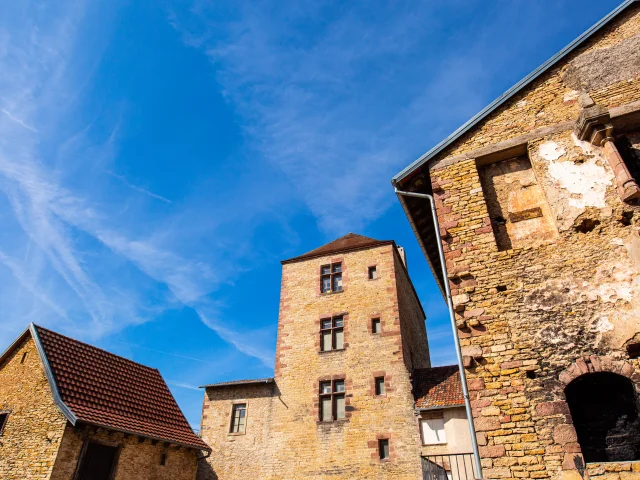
537	200
351	332
70	411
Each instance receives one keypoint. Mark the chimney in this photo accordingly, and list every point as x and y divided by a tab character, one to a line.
403	256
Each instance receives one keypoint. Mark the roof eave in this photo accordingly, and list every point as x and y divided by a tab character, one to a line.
261	381
302	258
439	407
402	175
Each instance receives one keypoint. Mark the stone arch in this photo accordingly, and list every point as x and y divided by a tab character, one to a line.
606	427
598	363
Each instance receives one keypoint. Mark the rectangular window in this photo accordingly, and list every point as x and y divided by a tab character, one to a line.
332	334
3	420
331	278
376	326
373	273
332	400
383	448
238	418
379	385
433	431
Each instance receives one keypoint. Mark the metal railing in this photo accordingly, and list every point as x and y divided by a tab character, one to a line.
455	466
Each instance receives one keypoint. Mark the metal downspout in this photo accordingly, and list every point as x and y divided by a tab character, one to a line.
452	318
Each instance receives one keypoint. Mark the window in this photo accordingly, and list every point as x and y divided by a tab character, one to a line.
376	326
3	420
332	333
238	418
163	459
332	400
383	448
379	387
433	430
373	273
331	278
24	357
97	462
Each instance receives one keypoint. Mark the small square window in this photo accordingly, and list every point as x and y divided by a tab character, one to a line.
379	381
339	385
3	420
325	387
238	418
373	273
383	448
376	326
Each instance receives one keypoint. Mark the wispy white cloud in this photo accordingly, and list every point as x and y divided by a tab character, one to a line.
17	120
125	182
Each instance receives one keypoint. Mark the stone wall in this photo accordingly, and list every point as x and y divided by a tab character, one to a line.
530	311
34	428
236	455
138	459
285	438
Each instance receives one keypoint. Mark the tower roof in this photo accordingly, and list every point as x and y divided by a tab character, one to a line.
347	243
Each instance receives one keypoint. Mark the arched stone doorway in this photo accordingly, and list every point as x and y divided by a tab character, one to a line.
604	410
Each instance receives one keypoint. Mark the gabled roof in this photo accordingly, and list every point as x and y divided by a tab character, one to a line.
489	109
437	387
347	243
93	386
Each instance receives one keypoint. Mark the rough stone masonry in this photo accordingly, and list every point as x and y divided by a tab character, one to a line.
540	222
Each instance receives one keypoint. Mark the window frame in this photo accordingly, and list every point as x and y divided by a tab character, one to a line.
3	424
333	395
332	275
374	321
381	450
379	388
372	269
237	406
424	420
332	330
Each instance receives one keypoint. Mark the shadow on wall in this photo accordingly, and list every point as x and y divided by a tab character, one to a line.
205	471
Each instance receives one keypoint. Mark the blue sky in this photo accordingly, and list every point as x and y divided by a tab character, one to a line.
158	159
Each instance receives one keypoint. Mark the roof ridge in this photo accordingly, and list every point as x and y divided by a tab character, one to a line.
348	242
95	348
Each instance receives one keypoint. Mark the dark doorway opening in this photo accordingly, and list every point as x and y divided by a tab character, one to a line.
98	462
605	416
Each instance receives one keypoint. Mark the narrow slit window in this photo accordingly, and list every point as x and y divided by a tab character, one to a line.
332	333
332	401
379	386
383	448
331	278
24	357
238	418
163	459
3	421
373	273
376	326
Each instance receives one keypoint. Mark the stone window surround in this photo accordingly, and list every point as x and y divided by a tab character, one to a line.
4	424
370	324
345	329
83	451
374	445
348	387
331	262
387	383
369	267
246	417
564	433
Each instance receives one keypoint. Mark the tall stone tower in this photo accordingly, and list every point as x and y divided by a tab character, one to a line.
350	332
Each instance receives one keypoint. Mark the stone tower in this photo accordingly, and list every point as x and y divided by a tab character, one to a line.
537	202
350	332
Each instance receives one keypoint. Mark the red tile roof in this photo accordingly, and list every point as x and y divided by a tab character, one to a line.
231	383
350	242
437	387
101	388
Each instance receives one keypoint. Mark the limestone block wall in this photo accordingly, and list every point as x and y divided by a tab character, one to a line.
235	455
537	309
138	459
35	426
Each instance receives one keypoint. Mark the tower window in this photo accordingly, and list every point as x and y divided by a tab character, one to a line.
24	357
331	278
332	333
163	459
332	400
373	273
3	420
383	448
379	386
238	418
376	326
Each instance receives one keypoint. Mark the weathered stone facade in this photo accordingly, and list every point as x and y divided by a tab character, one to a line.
543	253
35	426
284	437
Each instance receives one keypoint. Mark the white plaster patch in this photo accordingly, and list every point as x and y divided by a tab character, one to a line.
616	241
603	325
587	181
570	96
551	151
521	103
